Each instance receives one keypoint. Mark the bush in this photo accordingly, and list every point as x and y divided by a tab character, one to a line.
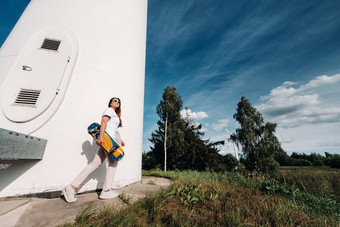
301	162
333	161
230	162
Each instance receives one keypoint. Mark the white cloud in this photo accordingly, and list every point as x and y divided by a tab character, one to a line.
285	139
193	115
289	83
313	137
225	152
319	82
292	107
222	123
329	144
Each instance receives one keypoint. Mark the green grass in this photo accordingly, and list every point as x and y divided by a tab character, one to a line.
319	181
231	199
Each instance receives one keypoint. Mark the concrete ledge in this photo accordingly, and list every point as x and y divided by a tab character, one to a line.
16	146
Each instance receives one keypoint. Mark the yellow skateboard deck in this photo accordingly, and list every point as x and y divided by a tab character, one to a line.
109	145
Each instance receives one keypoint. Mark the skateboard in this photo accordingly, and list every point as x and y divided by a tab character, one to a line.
109	145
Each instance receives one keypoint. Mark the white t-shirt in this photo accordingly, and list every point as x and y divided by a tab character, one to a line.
113	123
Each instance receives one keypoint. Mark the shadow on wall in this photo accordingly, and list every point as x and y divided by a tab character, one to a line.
90	150
10	170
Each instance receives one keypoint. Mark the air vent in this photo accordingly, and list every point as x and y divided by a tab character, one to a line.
50	44
27	97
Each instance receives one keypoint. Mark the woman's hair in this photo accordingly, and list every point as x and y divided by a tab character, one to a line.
118	110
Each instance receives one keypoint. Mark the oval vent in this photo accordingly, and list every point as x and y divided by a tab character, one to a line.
27	97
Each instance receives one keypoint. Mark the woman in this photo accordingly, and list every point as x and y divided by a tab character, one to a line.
110	123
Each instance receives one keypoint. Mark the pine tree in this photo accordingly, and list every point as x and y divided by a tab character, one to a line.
178	144
200	154
169	137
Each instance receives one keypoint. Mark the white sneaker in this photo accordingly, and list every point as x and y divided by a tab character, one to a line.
108	195
69	194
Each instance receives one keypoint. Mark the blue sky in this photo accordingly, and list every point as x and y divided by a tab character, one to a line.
282	55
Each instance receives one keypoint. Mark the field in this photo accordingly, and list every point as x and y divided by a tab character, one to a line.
297	196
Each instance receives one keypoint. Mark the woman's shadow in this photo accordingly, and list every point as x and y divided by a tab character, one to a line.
90	150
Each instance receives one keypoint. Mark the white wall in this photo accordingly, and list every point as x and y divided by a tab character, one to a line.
107	59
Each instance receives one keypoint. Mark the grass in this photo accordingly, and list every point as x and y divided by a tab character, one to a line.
231	199
125	198
319	181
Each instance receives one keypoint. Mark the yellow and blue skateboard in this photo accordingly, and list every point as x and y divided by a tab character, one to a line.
109	145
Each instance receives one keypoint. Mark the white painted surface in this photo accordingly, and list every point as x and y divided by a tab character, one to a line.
49	72
106	47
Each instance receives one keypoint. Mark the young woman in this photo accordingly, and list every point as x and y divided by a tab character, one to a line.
110	123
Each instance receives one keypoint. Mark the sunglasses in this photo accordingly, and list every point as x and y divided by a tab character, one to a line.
116	100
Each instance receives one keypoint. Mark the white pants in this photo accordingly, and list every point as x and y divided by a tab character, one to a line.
99	158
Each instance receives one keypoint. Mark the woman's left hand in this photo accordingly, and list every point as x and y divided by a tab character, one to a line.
123	143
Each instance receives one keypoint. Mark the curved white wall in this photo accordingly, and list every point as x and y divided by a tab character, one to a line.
106	58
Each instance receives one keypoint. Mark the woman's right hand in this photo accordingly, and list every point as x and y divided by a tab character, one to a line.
99	141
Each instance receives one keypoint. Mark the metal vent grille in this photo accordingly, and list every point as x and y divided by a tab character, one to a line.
50	44
27	97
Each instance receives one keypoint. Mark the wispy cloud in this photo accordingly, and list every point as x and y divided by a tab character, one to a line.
216	53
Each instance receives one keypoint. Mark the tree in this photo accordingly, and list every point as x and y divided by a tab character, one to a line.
199	154
178	144
258	142
170	132
282	158
332	160
303	159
